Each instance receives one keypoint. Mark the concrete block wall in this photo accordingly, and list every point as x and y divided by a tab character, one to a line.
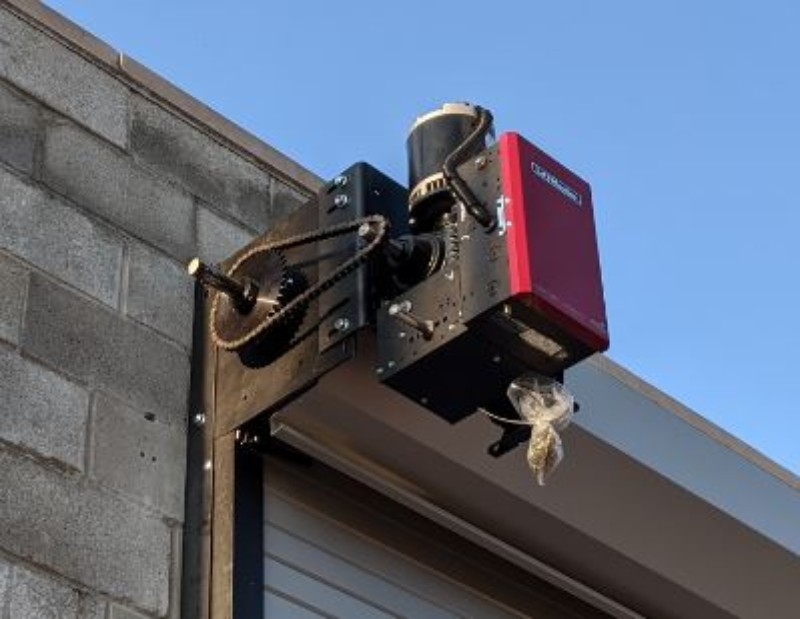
110	180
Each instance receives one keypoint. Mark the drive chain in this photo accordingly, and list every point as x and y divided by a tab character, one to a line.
379	226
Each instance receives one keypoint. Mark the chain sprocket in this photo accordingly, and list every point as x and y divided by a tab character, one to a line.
267	270
274	308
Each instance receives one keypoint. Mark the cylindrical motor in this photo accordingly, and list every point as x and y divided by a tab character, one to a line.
431	139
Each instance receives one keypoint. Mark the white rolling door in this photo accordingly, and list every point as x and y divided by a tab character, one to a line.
336	549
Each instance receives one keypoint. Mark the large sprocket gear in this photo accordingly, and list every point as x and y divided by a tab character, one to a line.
231	329
259	297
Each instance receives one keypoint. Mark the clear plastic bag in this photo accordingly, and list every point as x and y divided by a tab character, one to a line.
547	407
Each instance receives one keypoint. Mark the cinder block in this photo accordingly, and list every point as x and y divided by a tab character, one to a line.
35	596
139	455
59	239
175	609
92	608
285	200
107	182
38	64
217	238
160	293
5	580
13	285
42	411
92	343
206	168
120	612
99	540
18	130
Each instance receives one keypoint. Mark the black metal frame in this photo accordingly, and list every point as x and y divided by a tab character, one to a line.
232	397
223	536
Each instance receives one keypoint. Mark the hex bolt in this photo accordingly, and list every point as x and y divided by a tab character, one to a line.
341	324
402	312
199	419
340	181
480	162
341	201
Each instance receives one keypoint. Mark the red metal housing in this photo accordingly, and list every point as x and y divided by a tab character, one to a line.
553	259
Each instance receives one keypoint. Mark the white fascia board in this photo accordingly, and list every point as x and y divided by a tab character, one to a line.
665	436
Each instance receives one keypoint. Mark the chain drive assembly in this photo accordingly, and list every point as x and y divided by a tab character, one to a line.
261	262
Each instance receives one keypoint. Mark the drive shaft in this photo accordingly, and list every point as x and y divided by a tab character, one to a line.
243	294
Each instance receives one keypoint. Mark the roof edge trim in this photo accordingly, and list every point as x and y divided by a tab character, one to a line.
697	421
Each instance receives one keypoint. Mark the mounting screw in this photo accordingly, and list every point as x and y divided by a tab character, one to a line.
379	371
340	181
480	162
199	419
341	324
340	201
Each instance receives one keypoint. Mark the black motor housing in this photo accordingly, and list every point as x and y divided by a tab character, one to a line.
432	138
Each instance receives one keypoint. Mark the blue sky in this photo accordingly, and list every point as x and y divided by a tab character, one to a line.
684	116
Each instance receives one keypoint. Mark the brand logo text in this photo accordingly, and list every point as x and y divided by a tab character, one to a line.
556	183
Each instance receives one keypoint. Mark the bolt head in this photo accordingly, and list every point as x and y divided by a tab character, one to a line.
341	324
199	419
340	201
340	181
